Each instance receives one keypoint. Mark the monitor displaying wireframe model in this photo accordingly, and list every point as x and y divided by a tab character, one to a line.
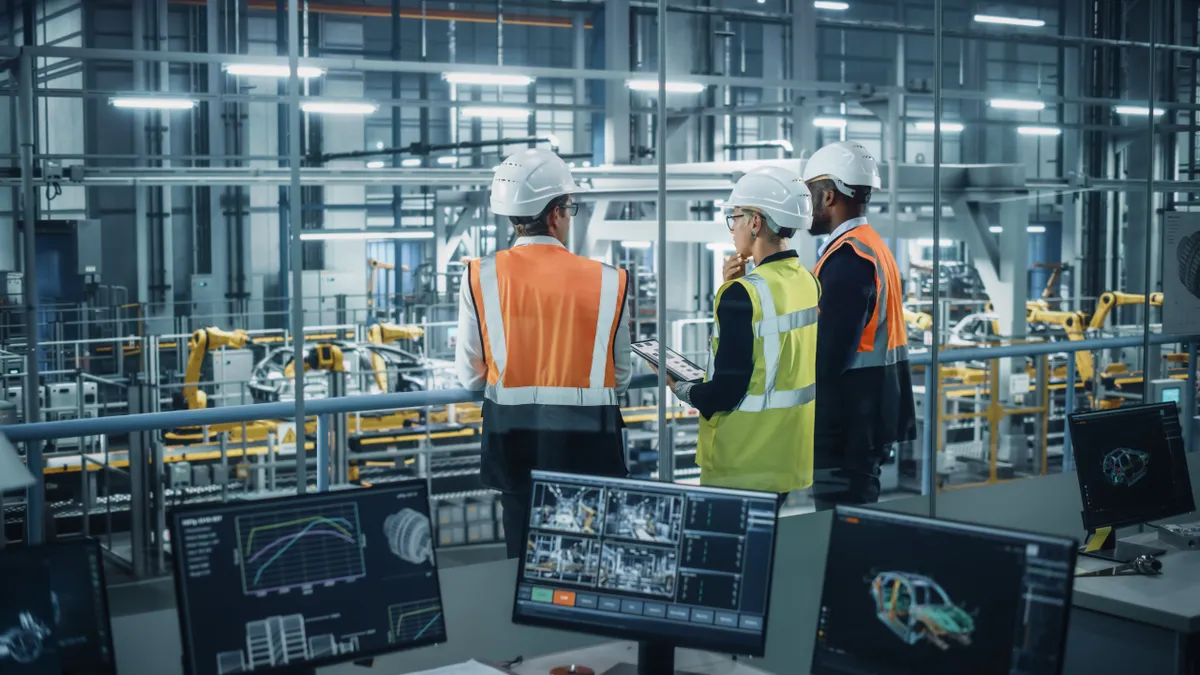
1131	465
286	585
662	563
64	627
913	596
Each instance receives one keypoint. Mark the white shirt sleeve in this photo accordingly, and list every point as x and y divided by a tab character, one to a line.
468	350
622	352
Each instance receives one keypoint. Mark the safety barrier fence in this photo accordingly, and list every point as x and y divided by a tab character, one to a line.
322	409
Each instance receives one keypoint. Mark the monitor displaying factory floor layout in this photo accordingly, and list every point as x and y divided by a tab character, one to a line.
283	585
1131	464
650	561
912	596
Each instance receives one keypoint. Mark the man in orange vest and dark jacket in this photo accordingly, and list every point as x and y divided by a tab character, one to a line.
542	332
864	387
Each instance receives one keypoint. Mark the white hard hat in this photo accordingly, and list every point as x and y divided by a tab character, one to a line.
846	163
529	180
778	193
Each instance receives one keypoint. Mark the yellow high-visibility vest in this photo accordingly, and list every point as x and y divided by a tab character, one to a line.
766	443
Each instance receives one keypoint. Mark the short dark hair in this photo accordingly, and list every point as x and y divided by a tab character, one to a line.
862	193
536	226
771	234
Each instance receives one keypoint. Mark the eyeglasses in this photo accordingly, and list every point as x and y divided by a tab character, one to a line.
731	221
572	209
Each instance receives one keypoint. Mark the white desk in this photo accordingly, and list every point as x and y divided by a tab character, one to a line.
602	657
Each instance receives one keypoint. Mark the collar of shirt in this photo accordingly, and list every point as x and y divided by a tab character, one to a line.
841	229
782	255
529	241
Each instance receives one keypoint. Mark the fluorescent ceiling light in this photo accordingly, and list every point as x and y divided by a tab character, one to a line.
1016	104
338	108
410	162
672	87
929	242
836	6
1136	110
719	248
496	113
1009	21
488	79
995	229
489	228
947	127
377	164
360	235
378	145
830	122
635	244
1039	131
152	103
268	70
1036	229
447	159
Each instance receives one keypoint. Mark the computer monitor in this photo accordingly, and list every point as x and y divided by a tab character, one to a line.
661	563
905	596
62	626
1132	469
287	585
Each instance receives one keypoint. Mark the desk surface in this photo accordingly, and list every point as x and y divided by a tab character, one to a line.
1170	600
602	657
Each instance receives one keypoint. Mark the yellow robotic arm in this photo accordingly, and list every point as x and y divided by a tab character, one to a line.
200	344
918	320
1113	299
386	334
1072	324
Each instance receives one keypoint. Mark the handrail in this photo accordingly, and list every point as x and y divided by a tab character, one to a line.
374	402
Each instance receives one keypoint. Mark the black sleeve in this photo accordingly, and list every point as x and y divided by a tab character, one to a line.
734	362
847	302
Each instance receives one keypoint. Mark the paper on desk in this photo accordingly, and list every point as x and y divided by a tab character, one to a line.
471	667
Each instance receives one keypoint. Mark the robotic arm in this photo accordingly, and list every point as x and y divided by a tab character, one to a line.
1072	324
386	334
1113	299
201	343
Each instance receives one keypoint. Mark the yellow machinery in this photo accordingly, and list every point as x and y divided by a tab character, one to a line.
918	320
1113	299
202	342
374	265
1073	324
386	334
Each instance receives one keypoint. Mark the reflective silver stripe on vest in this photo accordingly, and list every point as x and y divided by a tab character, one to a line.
594	395
879	355
769	329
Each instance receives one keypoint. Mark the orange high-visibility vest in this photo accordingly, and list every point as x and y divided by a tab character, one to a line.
885	339
547	319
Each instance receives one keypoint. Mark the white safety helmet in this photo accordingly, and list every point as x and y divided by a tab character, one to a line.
776	192
529	180
847	164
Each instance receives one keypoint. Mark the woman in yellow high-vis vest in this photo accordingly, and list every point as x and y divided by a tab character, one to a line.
757	400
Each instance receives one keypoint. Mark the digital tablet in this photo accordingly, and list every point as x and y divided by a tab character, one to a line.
677	367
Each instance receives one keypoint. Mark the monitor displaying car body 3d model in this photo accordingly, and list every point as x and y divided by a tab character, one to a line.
672	564
1131	465
54	610
913	596
286	585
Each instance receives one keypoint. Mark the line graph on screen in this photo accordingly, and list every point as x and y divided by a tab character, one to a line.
300	548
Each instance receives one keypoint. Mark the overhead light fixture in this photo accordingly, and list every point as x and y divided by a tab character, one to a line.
496	113
378	145
1136	110
717	247
338	108
152	103
835	6
672	87
830	122
448	159
362	235
947	127
1036	229
1039	131
929	242
489	79
995	229
1009	21
376	164
410	162
635	244
270	70
1016	104
489	228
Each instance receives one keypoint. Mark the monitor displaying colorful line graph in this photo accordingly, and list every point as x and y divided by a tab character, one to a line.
300	547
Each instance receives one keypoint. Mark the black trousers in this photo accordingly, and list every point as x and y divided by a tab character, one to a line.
516	520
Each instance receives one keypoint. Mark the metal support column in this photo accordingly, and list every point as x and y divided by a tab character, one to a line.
616	97
323	452
1189	401
666	457
36	494
297	261
1068	454
1147	367
933	400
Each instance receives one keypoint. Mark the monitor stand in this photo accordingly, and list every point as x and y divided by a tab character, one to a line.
654	658
1117	551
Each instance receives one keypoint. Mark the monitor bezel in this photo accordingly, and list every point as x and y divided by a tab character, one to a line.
187	651
958	527
81	542
1090	521
707	645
